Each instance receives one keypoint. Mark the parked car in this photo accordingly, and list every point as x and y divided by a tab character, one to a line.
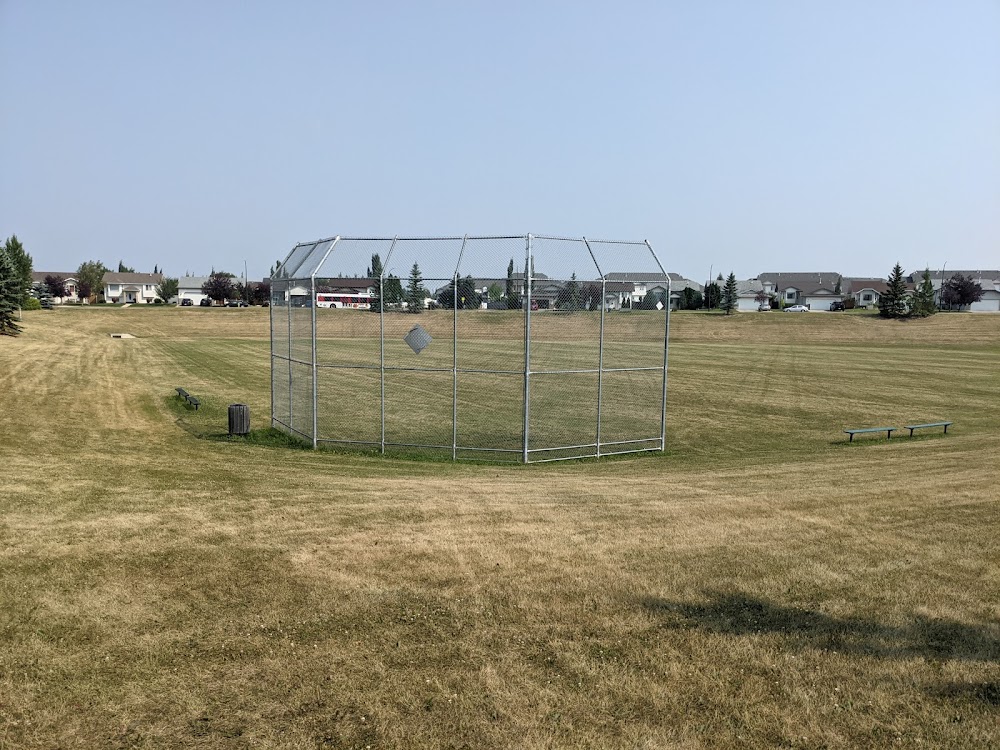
236	303
797	308
186	302
207	302
836	306
764	307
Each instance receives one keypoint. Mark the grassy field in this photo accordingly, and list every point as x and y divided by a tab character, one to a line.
762	584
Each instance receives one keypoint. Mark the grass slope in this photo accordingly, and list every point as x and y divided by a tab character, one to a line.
762	584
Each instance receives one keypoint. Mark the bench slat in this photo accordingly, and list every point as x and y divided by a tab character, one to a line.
887	430
912	427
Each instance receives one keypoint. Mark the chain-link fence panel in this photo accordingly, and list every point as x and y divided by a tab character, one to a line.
519	348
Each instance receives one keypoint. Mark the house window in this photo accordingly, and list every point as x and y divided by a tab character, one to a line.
789	295
866	298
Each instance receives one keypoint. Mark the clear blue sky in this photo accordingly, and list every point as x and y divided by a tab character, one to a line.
746	136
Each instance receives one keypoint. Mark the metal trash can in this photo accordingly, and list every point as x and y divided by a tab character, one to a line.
239	419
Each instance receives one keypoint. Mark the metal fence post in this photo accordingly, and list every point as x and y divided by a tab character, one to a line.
600	367
270	325
527	344
666	351
288	310
315	383
454	369
600	347
381	343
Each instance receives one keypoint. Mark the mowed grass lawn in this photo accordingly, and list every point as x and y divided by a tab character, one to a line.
762	584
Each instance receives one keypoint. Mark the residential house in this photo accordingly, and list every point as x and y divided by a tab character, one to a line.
642	284
131	288
747	292
866	291
815	290
678	284
189	287
988	280
69	281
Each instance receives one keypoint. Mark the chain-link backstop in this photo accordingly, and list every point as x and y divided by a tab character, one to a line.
529	348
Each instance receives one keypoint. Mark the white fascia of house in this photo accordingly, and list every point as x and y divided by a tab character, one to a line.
866	297
820	299
131	288
189	287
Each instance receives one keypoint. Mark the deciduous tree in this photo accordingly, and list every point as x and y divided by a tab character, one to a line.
89	277
167	289
56	286
960	291
219	286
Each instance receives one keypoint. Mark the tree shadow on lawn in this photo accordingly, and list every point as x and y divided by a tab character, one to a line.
740	614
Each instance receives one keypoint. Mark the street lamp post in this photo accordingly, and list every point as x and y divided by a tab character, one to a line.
941	291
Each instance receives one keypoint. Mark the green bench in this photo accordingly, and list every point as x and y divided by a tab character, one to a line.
912	427
887	430
191	400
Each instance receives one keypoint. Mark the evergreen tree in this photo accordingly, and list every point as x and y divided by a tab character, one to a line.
41	292
712	296
21	263
650	301
729	294
375	274
393	292
10	295
511	293
892	304
415	292
122	268
569	296
838	288
923	300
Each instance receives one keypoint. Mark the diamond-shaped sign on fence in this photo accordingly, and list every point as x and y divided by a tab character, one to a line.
418	339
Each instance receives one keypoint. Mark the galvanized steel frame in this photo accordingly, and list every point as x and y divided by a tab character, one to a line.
525	452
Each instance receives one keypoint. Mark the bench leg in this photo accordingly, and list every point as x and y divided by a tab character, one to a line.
946	429
852	438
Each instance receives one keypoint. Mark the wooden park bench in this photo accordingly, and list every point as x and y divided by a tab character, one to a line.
887	430
191	400
912	427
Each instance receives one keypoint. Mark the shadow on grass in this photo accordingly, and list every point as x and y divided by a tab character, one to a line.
900	437
926	637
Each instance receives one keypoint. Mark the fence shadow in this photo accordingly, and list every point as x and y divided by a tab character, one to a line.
740	614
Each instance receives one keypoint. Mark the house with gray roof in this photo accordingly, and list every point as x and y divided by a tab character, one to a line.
989	282
69	281
131	288
189	287
816	290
